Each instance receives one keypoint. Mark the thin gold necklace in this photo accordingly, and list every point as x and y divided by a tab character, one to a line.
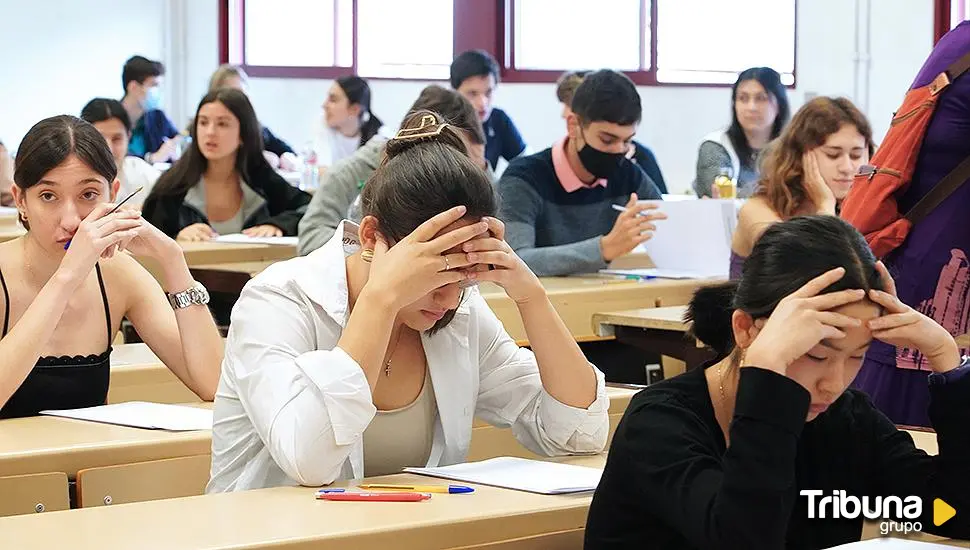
387	364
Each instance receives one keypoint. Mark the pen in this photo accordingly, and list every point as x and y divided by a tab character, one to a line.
117	206
325	491
449	489
373	497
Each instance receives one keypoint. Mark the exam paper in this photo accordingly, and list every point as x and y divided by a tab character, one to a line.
141	414
522	474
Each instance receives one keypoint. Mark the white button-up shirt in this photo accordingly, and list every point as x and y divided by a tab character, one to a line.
292	407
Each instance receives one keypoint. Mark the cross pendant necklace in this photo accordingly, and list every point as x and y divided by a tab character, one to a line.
387	364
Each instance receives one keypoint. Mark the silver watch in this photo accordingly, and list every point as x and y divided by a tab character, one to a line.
196	295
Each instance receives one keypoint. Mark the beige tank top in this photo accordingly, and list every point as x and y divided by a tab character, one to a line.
401	437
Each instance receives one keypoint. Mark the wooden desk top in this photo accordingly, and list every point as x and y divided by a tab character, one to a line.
9	232
291	518
51	444
661	318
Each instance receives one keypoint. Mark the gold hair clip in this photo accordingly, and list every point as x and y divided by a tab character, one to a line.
424	129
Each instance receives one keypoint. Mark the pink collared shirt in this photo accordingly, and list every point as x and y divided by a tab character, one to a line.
567	177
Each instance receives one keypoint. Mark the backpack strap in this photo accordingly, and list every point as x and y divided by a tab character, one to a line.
940	192
951	73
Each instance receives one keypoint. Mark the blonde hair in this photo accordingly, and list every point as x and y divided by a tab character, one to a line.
567	84
225	72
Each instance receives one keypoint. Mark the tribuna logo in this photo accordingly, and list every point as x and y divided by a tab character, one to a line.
896	514
840	505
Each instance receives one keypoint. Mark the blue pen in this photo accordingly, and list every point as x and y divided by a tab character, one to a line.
68	243
327	491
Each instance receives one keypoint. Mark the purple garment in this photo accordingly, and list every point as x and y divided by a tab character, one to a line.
737	265
931	267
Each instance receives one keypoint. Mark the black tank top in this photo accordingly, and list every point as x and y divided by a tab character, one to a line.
61	382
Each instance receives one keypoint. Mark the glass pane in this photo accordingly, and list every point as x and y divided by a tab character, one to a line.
412	39
713	40
298	33
559	35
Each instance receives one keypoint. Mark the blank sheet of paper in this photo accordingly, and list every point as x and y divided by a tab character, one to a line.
140	414
695	237
522	474
239	238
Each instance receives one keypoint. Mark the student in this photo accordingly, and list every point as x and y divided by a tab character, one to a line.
759	111
6	176
66	284
153	134
348	121
643	157
718	457
222	184
808	170
558	204
475	75
373	353
931	265
344	181
110	119
233	76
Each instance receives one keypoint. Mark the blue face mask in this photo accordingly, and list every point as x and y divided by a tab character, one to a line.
153	98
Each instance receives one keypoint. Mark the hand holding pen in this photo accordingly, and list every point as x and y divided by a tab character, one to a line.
96	236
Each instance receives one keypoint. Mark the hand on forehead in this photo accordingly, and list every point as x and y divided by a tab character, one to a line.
464	222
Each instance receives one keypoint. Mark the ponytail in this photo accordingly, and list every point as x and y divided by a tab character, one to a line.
369	126
709	314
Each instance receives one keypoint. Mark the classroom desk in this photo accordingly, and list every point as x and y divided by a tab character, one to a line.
575	298
42	444
657	330
9	232
290	518
138	375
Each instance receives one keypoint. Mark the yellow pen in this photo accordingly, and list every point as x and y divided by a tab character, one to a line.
449	489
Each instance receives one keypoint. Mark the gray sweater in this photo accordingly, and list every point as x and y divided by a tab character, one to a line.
559	233
339	189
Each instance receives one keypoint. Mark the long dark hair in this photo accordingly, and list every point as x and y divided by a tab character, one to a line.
187	171
425	175
358	93
788	255
770	80
51	141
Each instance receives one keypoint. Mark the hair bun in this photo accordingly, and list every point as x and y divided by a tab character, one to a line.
421	127
709	314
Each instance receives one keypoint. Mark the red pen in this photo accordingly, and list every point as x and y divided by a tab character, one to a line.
374	497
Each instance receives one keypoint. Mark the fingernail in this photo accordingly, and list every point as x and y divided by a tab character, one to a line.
462	209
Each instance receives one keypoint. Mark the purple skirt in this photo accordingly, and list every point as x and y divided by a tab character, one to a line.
901	394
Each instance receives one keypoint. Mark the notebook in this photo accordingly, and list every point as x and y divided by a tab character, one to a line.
521	474
140	414
239	238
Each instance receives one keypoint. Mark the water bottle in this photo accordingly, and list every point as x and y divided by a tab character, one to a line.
310	178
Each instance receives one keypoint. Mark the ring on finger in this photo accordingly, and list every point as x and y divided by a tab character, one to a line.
447	264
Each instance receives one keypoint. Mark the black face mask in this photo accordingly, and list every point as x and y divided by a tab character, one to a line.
601	164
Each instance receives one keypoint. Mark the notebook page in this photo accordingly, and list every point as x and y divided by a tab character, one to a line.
140	414
534	476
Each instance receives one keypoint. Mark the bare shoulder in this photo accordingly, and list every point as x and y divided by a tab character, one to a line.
755	216
124	273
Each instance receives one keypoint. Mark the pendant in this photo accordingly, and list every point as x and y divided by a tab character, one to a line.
387	368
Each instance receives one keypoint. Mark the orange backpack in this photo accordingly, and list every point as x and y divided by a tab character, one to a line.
871	205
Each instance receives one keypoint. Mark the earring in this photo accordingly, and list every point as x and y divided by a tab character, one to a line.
367	255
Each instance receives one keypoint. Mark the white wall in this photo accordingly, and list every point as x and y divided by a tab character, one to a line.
58	54
89	52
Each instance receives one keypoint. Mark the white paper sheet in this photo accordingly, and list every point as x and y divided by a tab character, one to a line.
8	211
655	273
695	237
140	414
239	238
522	474
895	544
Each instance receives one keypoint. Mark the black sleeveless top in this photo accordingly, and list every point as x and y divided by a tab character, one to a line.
61	382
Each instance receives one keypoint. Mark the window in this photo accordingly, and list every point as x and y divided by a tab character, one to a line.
654	41
322	39
412	39
729	38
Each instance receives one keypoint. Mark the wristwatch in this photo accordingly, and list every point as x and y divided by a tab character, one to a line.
952	375
196	295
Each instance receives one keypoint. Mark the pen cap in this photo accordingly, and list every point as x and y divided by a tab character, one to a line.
459	489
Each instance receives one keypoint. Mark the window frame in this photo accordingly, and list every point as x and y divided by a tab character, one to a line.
484	24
